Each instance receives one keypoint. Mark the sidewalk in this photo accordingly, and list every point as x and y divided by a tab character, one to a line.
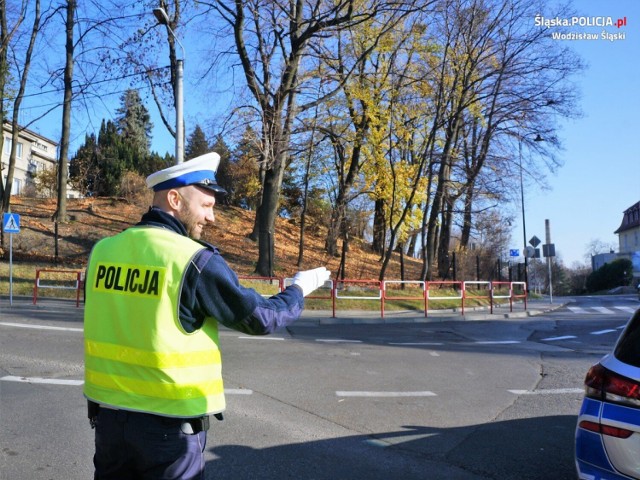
353	317
53	307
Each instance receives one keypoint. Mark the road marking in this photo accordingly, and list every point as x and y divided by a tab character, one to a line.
260	337
40	327
409	437
238	391
416	343
59	381
604	310
384	394
336	340
627	309
497	342
377	443
577	310
602	332
565	337
434	354
50	381
550	391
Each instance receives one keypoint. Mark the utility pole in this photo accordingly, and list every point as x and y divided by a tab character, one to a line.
547	230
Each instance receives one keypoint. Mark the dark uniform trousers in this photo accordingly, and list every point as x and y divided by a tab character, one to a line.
132	445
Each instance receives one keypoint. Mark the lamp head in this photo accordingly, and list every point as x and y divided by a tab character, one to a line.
161	16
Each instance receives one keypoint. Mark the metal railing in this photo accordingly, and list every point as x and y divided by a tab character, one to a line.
71	280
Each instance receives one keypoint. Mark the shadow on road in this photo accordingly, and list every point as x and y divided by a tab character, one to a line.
534	448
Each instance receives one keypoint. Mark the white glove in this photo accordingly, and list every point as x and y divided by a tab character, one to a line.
309	280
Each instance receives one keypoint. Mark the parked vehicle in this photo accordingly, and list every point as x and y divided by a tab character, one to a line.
608	430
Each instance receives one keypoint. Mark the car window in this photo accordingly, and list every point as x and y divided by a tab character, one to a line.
628	347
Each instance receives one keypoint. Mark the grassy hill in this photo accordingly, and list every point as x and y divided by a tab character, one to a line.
95	218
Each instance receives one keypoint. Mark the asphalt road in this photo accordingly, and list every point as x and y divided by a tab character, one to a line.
491	398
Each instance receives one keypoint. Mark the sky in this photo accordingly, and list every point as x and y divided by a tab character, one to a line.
600	176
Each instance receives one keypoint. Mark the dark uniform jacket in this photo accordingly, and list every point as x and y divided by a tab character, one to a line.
212	289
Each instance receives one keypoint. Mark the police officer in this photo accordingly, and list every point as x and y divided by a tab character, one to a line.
154	297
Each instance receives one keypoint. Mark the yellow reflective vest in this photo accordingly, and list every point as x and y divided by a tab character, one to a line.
137	355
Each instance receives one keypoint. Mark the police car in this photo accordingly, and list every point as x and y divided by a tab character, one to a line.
608	429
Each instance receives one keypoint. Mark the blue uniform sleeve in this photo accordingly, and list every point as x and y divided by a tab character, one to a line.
212	289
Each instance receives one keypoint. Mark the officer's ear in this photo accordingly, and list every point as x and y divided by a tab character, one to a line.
174	199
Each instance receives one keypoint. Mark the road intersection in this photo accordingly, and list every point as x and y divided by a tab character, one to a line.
482	397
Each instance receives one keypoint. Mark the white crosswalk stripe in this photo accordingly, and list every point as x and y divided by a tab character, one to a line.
605	310
577	310
601	310
627	309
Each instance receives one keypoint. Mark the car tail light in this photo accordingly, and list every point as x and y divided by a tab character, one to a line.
603	384
606	429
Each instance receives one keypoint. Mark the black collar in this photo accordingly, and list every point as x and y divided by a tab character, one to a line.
156	217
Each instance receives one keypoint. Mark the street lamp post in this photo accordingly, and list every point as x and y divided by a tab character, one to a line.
524	224
163	19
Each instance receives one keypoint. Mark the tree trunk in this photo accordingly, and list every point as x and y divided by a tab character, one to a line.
337	219
303	213
413	241
266	215
379	227
401	253
342	269
467	217
63	163
256	223
445	238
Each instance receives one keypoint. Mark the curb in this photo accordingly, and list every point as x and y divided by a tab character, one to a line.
322	318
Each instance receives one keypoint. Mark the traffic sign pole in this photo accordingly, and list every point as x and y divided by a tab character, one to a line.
11	269
547	230
11	225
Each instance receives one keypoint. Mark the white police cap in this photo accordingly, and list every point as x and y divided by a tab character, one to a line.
199	171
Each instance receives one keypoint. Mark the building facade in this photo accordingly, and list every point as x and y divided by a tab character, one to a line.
629	237
34	153
598	261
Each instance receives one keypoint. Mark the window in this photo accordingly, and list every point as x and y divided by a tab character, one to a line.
7	147
16	187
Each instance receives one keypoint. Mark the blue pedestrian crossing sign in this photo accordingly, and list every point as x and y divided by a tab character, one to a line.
11	222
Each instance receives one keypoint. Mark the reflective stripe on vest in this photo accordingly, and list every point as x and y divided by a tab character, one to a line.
137	356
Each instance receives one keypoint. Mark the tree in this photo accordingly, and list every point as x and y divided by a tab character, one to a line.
197	144
22	66
239	175
597	246
83	167
99	164
111	161
46	182
224	168
618	273
6	34
271	41
497	83
134	125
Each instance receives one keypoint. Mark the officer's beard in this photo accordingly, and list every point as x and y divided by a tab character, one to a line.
190	221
